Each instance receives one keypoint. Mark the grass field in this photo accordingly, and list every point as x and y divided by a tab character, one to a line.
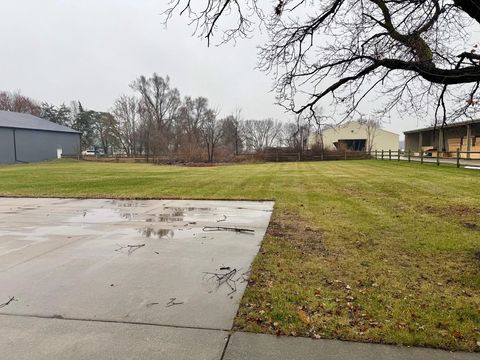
356	250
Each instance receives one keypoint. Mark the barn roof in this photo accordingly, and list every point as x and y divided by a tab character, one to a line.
354	123
451	125
10	119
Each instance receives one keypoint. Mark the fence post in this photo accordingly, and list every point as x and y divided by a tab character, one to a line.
421	156
298	156
276	153
409	154
458	158
321	155
390	154
438	158
382	154
376	154
398	155
345	154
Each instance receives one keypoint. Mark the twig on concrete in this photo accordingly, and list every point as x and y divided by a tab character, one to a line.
8	302
222	228
172	302
225	278
131	248
244	276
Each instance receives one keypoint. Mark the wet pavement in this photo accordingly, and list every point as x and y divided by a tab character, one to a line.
108	279
154	262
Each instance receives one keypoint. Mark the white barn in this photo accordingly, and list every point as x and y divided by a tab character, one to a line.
356	136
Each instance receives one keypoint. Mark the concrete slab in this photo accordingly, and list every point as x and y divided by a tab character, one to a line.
245	346
25	338
71	258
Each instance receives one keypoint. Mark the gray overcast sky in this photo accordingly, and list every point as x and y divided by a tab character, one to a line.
90	50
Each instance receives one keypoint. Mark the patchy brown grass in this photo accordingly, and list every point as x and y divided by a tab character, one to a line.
304	284
465	215
453	210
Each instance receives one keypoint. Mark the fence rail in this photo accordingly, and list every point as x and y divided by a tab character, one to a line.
437	157
282	156
457	158
271	156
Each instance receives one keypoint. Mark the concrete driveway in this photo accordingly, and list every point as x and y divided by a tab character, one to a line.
100	279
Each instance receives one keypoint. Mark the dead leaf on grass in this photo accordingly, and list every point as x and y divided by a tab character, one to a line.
303	316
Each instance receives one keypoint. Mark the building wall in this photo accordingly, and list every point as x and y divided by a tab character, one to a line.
7	155
34	145
383	140
434	139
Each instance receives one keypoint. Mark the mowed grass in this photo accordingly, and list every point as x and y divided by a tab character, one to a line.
357	250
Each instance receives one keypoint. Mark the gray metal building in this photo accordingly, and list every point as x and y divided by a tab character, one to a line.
25	138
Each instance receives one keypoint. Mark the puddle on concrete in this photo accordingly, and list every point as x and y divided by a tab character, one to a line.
97	216
156	233
168	218
129	203
18	209
44	232
108	215
109	220
188	209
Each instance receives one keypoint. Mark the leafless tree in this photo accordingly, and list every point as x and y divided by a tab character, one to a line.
238	134
126	112
372	126
212	132
159	106
297	133
233	137
261	134
15	101
191	115
418	54
318	123
106	131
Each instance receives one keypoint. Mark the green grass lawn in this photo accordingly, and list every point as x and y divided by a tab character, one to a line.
356	250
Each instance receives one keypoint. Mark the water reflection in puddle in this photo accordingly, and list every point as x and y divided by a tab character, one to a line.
107	215
159	221
156	233
189	209
164	218
129	203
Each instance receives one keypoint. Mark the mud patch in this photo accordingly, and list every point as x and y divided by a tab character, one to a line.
467	216
454	210
471	226
308	240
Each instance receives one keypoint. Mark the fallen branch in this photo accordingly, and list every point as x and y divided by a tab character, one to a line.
222	228
8	302
225	278
244	276
131	248
172	302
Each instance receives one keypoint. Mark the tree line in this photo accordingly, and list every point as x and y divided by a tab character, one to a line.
155	121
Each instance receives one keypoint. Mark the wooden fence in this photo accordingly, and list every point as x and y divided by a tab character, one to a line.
280	155
437	157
